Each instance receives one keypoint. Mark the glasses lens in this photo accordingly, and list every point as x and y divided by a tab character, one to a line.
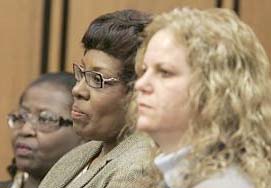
48	121
77	72
94	79
15	121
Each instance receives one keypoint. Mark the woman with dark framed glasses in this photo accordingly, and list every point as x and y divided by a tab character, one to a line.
42	128
45	121
93	79
101	94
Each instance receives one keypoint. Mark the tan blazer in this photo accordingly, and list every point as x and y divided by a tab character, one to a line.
128	165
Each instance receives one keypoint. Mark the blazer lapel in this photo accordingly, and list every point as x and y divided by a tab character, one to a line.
90	174
124	146
78	159
98	166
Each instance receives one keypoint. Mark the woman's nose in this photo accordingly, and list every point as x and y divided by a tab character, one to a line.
27	130
144	84
81	90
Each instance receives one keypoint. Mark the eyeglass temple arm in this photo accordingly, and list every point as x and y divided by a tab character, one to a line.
65	122
110	79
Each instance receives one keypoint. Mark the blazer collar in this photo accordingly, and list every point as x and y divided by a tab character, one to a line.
79	158
95	168
125	145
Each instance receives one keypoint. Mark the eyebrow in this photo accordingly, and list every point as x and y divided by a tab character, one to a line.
93	68
22	107
39	110
163	65
100	69
158	64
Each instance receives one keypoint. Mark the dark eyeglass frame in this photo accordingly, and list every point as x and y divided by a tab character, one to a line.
103	80
61	121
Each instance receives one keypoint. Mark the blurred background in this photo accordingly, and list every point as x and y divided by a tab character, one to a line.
38	36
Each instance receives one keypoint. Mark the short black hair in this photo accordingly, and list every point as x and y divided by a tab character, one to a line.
12	168
119	35
62	79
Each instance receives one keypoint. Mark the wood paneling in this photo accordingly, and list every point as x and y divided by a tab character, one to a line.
20	56
227	4
257	14
55	36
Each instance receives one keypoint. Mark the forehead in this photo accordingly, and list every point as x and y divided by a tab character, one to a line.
99	61
47	97
164	47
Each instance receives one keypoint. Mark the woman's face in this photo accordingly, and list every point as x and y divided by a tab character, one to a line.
36	151
163	87
98	112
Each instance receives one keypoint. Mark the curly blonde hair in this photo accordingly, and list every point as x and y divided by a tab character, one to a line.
229	94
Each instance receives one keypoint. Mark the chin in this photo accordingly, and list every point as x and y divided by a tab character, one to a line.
23	164
78	127
143	125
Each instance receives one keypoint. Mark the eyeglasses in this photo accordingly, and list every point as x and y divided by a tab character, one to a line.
45	122
92	78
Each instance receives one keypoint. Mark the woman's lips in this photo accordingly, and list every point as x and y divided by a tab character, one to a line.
78	115
23	150
143	106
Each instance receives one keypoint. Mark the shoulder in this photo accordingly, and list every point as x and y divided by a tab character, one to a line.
137	147
137	141
229	177
5	184
80	154
134	167
81	151
70	164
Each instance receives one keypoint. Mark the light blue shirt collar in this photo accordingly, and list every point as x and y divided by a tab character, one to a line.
170	165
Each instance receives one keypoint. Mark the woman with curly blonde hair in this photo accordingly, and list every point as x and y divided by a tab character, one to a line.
203	95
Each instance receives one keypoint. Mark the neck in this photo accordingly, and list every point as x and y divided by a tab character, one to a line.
32	182
168	141
108	146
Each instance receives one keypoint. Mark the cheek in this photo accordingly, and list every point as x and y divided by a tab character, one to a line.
173	95
172	109
14	135
145	123
107	103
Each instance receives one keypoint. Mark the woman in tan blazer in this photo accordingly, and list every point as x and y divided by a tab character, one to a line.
104	76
